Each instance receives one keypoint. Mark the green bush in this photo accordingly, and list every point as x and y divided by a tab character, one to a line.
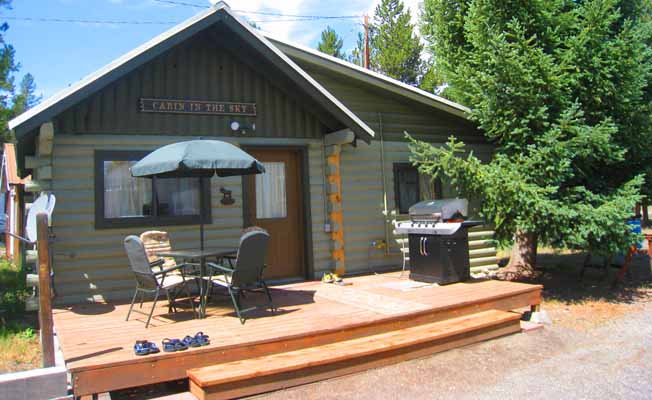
13	291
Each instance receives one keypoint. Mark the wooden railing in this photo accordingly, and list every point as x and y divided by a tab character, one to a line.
45	290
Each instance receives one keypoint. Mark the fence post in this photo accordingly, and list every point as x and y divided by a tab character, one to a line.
45	290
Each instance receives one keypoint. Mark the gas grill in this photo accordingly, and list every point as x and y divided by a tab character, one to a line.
439	240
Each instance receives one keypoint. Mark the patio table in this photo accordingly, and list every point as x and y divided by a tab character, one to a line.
201	255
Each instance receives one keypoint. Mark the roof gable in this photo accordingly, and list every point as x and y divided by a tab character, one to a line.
334	64
72	95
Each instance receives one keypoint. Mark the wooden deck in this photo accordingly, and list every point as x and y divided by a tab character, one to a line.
97	341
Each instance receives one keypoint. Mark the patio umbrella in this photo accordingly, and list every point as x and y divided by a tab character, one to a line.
199	159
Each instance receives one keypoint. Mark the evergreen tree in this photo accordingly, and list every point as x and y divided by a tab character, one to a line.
562	89
357	54
26	97
12	103
432	78
331	43
395	47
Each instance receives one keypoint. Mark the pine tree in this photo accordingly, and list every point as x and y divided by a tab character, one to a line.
331	43
12	103
26	97
357	54
562	89
395	48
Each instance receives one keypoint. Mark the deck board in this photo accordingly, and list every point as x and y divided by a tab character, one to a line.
96	340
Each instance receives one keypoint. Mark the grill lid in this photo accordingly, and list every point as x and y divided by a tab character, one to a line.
438	210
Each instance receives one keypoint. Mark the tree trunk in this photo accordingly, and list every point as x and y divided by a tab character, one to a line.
646	217
522	262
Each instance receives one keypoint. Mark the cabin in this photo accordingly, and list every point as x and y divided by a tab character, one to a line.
330	134
337	173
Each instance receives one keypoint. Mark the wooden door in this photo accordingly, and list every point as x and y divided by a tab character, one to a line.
275	203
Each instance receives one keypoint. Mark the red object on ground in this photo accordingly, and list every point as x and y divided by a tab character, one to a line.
628	258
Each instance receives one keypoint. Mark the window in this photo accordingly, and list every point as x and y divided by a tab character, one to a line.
271	200
124	201
410	187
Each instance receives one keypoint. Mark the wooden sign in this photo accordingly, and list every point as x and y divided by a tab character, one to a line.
168	106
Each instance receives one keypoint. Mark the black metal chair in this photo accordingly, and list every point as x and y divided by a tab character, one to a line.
247	272
169	280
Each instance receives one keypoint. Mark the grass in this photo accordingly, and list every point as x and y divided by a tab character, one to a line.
19	342
19	348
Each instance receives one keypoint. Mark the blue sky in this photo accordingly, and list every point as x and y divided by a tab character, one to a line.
58	54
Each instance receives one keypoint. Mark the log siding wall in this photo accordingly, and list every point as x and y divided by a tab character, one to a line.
90	264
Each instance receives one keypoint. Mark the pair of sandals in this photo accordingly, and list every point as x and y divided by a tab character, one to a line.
145	347
171	345
332	277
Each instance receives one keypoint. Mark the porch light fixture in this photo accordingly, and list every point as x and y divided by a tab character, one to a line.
237	126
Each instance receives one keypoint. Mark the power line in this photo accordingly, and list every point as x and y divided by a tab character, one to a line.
270	14
133	22
181	3
89	21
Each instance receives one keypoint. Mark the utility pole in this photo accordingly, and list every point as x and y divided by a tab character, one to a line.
366	41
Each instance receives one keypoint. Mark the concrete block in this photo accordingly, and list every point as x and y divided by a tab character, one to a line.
35	384
540	317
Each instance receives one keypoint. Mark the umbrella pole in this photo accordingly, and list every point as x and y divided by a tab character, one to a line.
201	212
203	289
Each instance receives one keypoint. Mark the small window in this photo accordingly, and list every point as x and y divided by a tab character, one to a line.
410	187
124	201
271	199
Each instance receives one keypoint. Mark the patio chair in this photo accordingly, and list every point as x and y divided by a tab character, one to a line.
404	246
150	281
247	272
156	242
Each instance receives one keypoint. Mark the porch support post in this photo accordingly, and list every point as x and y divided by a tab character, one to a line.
335	206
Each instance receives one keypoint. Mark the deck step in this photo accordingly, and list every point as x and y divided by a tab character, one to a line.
272	372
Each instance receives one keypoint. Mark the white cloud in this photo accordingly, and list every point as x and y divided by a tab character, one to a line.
281	29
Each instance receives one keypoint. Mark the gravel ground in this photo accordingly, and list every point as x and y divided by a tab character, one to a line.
611	361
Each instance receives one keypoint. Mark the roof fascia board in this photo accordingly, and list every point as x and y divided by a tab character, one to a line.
65	98
335	64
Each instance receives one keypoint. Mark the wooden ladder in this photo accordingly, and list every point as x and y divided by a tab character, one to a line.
281	370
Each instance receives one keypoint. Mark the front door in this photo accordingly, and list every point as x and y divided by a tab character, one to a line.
275	203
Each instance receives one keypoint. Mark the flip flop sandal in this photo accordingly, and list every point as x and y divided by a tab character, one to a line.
141	348
153	349
202	339
179	345
191	341
327	278
168	345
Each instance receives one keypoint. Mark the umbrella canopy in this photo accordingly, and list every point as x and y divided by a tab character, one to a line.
197	158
